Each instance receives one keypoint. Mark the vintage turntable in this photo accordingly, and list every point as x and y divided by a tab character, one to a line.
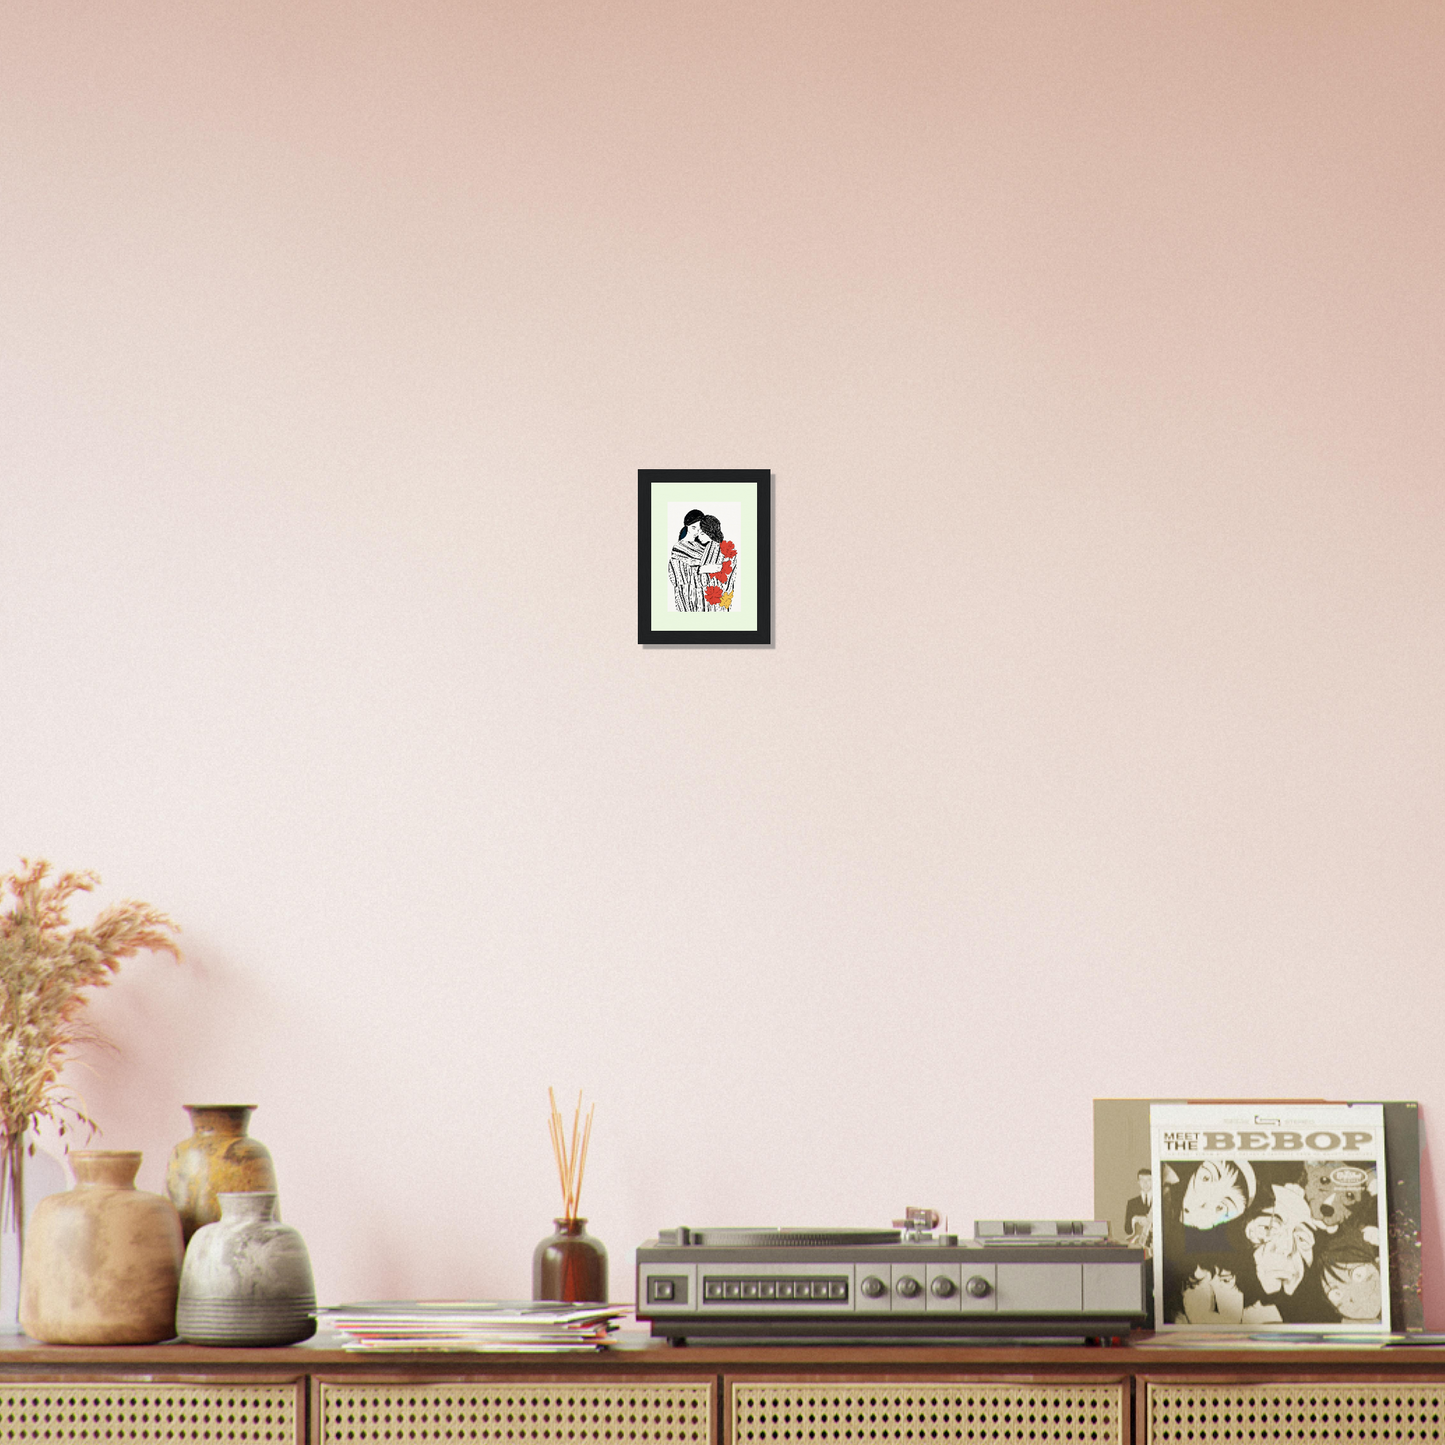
1056	1279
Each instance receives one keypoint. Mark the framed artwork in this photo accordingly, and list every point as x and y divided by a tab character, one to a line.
704	556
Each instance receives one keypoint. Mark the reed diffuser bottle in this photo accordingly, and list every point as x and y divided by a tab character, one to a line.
570	1266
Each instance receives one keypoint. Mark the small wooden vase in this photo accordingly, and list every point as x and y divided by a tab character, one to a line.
570	1266
102	1262
220	1157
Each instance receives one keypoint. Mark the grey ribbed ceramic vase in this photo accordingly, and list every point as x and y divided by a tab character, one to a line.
246	1279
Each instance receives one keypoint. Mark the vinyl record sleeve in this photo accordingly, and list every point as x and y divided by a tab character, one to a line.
1270	1218
1123	1185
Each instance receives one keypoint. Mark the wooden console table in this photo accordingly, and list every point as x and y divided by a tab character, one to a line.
647	1393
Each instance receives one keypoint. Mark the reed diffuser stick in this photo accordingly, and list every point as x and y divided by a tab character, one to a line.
570	1154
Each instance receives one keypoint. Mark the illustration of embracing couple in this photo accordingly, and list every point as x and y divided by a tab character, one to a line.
702	566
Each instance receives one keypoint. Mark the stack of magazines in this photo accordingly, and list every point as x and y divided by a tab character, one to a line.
472	1325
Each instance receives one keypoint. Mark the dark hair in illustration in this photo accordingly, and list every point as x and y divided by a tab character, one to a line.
1223	1249
712	528
687	521
1338	1256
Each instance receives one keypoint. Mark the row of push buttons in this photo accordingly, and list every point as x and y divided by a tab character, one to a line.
831	1289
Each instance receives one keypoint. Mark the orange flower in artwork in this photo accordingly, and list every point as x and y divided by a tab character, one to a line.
727	601
714	596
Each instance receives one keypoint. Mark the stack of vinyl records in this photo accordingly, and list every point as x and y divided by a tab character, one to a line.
472	1325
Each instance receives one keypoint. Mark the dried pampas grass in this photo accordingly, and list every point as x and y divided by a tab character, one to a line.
46	971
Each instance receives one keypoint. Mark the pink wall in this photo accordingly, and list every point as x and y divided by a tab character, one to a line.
1096	349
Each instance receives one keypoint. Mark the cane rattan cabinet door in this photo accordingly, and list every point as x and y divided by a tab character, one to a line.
89	1413
1385	1413
618	1412
768	1412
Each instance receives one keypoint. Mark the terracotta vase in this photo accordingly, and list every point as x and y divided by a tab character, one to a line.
102	1262
220	1157
570	1265
247	1279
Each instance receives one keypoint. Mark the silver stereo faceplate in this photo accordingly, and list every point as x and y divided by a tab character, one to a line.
711	1287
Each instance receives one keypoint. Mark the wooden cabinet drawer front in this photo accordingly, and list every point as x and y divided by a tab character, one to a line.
774	1413
518	1413
181	1414
1320	1414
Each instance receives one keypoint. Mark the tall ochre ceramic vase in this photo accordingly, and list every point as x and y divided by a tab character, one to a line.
102	1262
219	1158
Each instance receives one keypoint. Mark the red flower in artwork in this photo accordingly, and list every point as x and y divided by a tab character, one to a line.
726	572
729	549
714	596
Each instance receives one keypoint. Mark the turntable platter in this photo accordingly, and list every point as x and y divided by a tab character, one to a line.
789	1238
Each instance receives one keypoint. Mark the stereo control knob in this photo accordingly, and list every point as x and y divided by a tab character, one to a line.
872	1286
942	1286
978	1287
908	1287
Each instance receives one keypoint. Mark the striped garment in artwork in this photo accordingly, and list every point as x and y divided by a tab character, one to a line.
685	572
703	574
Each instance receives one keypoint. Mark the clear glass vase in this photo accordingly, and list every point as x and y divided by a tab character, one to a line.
37	1176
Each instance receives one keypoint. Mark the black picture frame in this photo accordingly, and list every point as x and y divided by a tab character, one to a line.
684	518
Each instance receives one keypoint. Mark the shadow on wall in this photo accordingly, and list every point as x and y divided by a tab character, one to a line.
170	1032
1432	1251
392	1266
